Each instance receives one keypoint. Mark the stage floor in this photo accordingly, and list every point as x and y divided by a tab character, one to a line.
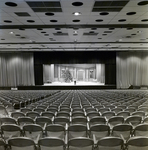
72	83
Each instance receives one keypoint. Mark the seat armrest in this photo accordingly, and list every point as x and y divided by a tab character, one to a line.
94	139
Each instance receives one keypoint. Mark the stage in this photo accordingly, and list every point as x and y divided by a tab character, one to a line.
64	86
86	83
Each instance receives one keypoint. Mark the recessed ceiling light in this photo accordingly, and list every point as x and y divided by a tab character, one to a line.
139	31
76	13
11	32
75	32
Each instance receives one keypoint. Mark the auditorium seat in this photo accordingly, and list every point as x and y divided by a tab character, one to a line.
33	114
108	114
48	114
80	143
116	110
16	115
3	111
25	120
7	120
77	130
97	120
124	114
33	131
115	120
124	130
42	107
133	120
141	130
99	130
61	120
77	114
92	114
43	121
21	143
79	120
110	143
102	110
39	110
137	143
10	130
63	114
55	130
51	143
25	110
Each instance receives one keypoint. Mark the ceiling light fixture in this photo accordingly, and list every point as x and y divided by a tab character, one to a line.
11	32
76	13
75	32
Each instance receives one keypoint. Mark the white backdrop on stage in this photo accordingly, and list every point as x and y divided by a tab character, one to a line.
83	74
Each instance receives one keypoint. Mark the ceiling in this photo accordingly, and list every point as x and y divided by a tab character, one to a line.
50	25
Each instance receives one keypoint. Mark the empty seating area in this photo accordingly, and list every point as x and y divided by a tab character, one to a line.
74	120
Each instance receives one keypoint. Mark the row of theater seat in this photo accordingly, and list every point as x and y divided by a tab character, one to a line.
79	119
80	143
57	137
72	130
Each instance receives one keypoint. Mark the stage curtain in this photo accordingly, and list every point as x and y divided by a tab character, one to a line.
16	69
100	73
48	73
132	69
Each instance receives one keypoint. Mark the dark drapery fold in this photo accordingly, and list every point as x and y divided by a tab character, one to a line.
16	69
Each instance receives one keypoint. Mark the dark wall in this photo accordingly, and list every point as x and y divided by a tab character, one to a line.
74	57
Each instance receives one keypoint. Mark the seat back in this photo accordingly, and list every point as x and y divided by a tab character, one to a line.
51	143
110	143
137	143
115	120
79	120
55	130
80	143
43	120
10	130
21	143
97	120
99	130
16	115
134	120
141	130
122	129
61	120
33	131
25	120
77	130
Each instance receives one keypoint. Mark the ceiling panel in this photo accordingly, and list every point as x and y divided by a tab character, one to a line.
24	29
